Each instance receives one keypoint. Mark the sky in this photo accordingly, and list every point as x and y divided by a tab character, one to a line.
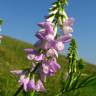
21	18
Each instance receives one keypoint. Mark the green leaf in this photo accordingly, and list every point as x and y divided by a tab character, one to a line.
86	81
75	82
68	81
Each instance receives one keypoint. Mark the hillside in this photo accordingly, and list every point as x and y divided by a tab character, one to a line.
12	57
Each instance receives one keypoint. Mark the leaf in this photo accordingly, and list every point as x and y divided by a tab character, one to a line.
89	81
86	81
32	93
74	84
68	81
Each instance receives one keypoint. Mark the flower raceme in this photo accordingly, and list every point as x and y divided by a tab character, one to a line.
45	54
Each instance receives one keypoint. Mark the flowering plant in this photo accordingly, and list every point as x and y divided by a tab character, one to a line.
54	33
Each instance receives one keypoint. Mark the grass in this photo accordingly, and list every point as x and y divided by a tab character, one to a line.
12	57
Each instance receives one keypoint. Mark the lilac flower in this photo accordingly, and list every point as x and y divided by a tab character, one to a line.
31	84
48	26
45	69
51	42
49	68
45	45
51	52
40	86
31	56
54	66
39	57
41	34
60	46
24	81
66	38
34	55
67	27
47	33
49	37
69	21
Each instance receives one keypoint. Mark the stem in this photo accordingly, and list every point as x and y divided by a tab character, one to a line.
18	91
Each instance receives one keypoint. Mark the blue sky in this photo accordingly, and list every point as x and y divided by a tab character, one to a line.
21	17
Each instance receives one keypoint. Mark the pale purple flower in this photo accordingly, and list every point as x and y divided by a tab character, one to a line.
39	57
41	34
67	27
69	22
45	68
34	55
45	44
40	86
66	38
24	81
48	26
54	65
31	84
49	68
49	37
51	52
31	56
60	46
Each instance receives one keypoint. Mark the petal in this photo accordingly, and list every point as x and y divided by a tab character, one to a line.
39	58
65	38
31	56
28	50
69	22
60	46
40	86
17	72
31	84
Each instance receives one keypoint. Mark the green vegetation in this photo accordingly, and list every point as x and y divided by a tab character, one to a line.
12	57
